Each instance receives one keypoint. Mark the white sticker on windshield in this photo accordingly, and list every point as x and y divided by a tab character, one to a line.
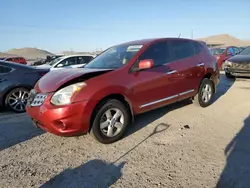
134	48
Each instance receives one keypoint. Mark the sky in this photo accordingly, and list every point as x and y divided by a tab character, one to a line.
89	25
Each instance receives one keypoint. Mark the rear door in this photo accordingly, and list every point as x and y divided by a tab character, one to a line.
188	66
154	87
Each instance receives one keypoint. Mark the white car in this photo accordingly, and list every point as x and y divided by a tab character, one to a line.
69	61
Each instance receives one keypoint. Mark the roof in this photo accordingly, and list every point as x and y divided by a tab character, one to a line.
149	40
74	55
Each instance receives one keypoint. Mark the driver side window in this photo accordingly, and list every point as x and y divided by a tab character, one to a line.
158	52
67	62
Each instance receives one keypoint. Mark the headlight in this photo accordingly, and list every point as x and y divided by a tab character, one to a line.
228	63
64	95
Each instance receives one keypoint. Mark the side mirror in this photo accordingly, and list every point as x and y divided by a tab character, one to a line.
59	65
145	64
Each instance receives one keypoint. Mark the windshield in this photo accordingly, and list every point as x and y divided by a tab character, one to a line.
246	51
217	51
114	57
53	62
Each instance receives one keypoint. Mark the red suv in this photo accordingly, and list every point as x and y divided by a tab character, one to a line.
20	60
224	53
123	81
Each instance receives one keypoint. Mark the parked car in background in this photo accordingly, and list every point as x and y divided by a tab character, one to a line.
223	53
47	60
16	80
70	61
238	65
15	59
123	81
241	48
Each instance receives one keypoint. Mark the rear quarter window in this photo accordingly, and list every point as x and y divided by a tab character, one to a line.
4	69
197	47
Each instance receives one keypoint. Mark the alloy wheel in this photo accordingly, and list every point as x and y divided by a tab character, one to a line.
206	93
112	122
18	100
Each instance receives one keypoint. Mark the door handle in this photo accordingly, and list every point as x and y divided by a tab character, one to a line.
200	64
1	80
171	72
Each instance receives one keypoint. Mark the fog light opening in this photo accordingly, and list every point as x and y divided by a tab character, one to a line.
61	125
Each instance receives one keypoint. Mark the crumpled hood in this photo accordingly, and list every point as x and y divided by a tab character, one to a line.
56	78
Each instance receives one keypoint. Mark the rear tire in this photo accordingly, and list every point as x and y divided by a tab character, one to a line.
229	75
16	99
205	93
110	121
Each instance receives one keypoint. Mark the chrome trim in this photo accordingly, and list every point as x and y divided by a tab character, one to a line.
171	72
200	64
186	92
165	99
158	101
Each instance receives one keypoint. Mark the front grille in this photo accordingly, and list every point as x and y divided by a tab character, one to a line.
36	99
244	66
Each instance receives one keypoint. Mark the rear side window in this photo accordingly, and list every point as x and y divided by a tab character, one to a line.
4	69
181	49
197	47
159	52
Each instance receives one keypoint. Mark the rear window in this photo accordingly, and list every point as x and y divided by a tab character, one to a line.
4	69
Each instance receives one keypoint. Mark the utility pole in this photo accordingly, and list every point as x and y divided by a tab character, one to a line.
192	34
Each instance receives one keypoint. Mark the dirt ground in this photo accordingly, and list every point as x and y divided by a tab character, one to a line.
194	147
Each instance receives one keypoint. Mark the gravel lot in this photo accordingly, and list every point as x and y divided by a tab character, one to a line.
195	148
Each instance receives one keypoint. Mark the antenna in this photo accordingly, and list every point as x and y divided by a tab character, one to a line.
179	35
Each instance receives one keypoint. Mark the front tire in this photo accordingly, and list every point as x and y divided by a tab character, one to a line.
16	99
110	121
205	93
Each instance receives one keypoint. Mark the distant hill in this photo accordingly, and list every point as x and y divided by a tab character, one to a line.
3	55
224	40
30	53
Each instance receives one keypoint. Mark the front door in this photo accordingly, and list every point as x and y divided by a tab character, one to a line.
154	87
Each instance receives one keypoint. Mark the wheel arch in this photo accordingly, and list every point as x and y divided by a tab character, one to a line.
118	96
209	76
7	91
